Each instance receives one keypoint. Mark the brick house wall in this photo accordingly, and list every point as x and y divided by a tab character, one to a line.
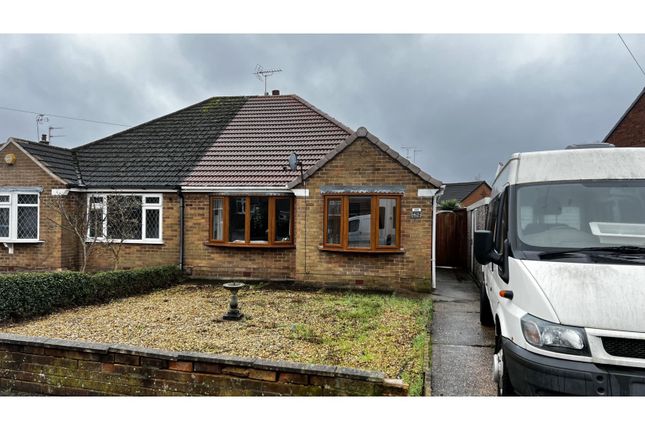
145	255
478	193
630	131
228	262
362	163
58	247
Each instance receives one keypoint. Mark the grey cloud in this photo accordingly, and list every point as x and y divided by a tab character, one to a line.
466	101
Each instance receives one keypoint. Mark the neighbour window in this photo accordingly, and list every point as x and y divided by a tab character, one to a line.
237	220
362	223
259	219
251	221
333	221
217	224
387	213
282	220
131	218
19	215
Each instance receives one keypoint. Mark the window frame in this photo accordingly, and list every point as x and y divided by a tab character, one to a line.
374	247
145	207
271	243
13	205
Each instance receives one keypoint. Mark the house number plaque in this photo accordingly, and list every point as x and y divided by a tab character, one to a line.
416	213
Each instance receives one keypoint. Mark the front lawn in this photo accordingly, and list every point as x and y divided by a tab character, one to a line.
367	331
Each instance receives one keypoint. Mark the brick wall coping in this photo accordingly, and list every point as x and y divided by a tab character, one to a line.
228	360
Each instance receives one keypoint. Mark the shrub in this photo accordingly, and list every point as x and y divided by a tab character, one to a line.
449	205
26	295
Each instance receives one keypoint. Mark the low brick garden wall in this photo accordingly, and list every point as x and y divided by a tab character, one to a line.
60	367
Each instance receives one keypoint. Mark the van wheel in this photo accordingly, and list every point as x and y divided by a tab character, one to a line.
485	314
500	374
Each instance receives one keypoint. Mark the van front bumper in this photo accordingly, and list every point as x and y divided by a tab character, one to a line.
537	375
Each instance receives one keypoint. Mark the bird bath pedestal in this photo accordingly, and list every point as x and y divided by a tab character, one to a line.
233	313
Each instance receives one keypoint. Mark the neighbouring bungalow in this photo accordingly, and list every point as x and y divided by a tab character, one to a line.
218	197
465	193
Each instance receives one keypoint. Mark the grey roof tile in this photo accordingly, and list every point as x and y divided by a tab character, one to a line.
459	190
60	161
221	141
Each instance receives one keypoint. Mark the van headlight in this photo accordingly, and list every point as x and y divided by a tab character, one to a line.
554	337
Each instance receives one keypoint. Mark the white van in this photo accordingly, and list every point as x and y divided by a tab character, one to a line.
563	256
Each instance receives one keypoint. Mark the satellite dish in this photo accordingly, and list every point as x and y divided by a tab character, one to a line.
293	161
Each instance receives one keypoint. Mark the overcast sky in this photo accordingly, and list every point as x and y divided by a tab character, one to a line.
466	102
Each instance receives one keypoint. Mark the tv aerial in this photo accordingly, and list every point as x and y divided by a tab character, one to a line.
41	119
55	135
262	75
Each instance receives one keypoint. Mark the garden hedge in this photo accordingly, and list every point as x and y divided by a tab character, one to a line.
27	295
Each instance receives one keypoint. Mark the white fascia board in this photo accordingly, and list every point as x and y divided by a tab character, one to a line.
478	203
300	192
427	192
60	191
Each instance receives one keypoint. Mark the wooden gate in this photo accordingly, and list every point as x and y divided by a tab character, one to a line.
452	238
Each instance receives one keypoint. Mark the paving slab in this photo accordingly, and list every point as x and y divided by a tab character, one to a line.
462	349
456	306
459	370
461	328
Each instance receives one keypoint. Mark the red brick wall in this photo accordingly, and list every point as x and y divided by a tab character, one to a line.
631	130
31	365
145	255
58	248
228	263
362	163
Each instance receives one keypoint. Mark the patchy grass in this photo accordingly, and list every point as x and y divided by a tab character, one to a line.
367	331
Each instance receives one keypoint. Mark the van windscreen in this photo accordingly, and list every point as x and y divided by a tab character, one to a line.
581	214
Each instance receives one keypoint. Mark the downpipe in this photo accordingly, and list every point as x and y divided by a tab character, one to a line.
433	260
180	194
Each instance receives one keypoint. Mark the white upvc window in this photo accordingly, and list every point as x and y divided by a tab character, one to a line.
19	216
126	217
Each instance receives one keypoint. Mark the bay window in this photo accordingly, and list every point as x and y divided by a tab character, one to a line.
263	221
19	216
367	223
131	218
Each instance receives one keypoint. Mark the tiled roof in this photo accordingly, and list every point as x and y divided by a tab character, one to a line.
159	153
362	132
60	161
459	190
219	142
252	150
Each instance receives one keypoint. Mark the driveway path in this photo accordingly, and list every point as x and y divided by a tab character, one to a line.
462	350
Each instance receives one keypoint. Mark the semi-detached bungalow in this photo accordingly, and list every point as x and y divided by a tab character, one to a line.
217	196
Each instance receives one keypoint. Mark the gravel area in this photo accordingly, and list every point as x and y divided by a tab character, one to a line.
367	331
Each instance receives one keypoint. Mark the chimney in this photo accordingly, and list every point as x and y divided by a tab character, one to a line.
43	139
275	92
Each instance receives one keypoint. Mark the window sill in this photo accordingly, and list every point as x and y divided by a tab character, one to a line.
363	251
249	245
130	242
21	241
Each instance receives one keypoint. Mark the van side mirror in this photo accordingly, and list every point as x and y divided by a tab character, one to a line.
483	248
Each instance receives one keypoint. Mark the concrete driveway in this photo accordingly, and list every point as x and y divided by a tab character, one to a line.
462	350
